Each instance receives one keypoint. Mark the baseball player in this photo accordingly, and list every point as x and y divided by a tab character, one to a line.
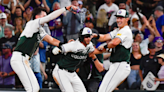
75	53
27	44
121	41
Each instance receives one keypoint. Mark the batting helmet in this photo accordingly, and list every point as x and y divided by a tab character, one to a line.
84	32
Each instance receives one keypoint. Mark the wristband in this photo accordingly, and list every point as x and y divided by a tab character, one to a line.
60	44
106	46
94	59
98	36
66	8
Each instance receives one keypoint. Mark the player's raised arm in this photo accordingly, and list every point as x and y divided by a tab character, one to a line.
51	40
55	14
101	37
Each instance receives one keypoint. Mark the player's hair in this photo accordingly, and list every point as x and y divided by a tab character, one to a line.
37	11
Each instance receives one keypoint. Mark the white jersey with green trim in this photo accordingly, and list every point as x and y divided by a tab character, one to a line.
123	49
75	53
30	38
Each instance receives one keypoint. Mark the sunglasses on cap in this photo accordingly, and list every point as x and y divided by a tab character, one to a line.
159	41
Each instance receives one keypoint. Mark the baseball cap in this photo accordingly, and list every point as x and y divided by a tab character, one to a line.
6	46
86	31
157	39
159	8
122	13
3	15
161	56
151	45
80	2
88	19
134	20
7	11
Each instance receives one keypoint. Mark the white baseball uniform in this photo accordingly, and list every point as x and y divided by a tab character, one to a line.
64	72
120	67
28	42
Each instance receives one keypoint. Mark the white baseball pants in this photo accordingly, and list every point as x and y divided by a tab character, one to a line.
115	75
20	65
67	82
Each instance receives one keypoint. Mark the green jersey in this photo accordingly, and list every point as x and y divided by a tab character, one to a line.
89	71
74	54
122	51
30	38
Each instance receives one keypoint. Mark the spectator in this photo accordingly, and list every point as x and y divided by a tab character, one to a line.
138	37
18	13
158	41
56	25
89	24
9	38
36	3
109	6
149	63
18	26
64	3
8	14
9	4
2	8
7	75
91	6
110	9
146	6
160	19
3	23
50	3
133	79
161	71
102	22
73	23
27	15
135	14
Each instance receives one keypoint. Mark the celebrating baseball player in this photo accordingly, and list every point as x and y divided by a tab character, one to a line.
75	53
121	41
29	41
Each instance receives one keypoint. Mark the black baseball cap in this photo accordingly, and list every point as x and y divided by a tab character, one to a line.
151	45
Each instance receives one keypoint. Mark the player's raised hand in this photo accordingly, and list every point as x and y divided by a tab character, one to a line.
56	51
72	8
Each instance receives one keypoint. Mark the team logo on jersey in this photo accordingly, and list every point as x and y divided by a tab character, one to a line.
119	34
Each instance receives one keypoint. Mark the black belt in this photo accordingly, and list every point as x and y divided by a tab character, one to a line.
122	61
66	69
25	55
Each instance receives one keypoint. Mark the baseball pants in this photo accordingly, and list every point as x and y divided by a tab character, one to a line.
117	73
20	65
67	82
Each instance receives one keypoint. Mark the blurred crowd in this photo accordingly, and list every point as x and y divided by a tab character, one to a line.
146	22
